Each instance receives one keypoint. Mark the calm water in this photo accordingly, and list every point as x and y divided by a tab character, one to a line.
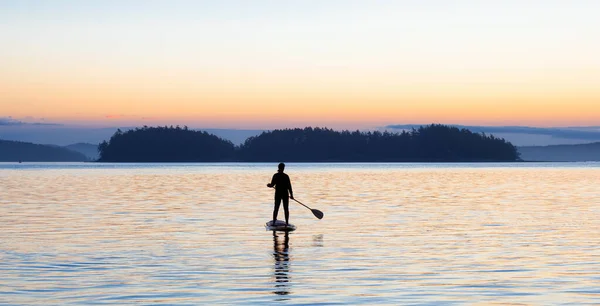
192	234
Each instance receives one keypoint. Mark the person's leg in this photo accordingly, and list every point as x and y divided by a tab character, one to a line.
286	202
276	208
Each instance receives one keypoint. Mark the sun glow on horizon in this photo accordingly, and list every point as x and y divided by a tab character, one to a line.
338	63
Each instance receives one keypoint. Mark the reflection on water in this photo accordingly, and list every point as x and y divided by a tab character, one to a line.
394	234
281	245
318	240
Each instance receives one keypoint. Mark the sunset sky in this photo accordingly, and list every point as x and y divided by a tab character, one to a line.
269	64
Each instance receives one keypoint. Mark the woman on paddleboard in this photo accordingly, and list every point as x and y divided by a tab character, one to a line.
282	184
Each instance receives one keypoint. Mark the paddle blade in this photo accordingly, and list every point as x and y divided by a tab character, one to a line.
317	213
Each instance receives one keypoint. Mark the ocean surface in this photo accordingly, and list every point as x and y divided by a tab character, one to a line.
393	234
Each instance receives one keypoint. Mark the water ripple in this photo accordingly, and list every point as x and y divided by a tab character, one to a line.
189	234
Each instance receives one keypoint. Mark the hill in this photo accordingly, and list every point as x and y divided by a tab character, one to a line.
87	149
433	143
569	153
14	151
165	144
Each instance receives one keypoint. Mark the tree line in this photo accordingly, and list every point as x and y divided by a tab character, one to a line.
431	143
165	144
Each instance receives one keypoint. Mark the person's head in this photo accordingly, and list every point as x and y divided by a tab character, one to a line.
280	167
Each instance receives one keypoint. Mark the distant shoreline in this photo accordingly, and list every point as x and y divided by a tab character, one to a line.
432	143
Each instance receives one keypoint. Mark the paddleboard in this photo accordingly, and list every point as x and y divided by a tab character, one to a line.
279	226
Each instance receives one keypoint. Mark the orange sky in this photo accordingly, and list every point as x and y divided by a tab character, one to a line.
335	64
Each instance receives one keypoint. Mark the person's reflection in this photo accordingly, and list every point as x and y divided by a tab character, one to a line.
281	243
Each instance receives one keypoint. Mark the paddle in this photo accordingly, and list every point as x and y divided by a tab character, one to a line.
316	212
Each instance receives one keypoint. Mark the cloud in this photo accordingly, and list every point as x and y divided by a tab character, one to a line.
44	123
10	121
120	116
132	117
114	116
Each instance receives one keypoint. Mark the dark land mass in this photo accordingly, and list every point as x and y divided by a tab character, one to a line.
236	136
562	153
432	143
15	151
165	144
87	149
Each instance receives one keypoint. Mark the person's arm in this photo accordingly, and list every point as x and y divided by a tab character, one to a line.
272	183
290	185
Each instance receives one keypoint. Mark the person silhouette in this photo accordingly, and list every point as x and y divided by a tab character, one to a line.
282	184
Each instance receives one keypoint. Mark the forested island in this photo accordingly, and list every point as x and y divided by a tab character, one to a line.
165	144
432	143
